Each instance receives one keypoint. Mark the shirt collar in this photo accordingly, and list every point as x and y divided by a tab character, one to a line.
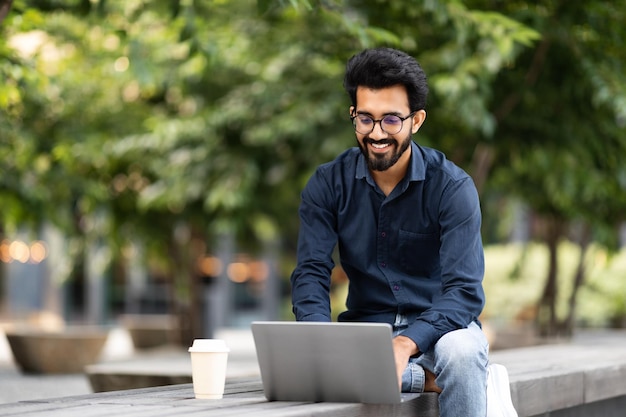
416	171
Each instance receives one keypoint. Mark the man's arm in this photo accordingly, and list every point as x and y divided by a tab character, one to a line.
310	280
462	267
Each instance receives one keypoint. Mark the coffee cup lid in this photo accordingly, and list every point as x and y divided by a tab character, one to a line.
209	345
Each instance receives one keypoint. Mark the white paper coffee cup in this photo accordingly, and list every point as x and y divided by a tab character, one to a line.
208	367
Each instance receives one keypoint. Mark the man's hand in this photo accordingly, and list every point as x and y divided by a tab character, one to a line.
403	349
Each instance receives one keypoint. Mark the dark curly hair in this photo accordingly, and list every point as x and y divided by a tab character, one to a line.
385	67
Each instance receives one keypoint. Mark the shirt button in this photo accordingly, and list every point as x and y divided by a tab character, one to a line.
383	234
396	287
383	264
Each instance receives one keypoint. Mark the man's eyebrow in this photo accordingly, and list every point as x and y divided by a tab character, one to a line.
391	113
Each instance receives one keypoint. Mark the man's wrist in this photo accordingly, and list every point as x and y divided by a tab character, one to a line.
407	344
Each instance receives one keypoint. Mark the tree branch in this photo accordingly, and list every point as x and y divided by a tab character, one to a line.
484	154
529	80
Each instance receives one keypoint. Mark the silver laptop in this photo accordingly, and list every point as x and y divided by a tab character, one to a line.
333	362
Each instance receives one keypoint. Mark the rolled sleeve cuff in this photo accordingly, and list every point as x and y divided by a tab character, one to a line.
314	317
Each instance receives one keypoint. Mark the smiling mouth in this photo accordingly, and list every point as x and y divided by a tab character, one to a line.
380	145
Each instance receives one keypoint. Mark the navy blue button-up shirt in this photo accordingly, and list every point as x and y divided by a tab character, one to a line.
416	252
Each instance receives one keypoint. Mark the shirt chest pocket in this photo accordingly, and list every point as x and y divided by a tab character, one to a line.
418	253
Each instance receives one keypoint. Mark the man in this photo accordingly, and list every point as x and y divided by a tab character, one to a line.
407	225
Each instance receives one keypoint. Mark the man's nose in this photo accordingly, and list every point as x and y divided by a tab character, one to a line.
378	131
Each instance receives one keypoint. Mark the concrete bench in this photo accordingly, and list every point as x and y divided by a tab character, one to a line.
574	379
586	377
159	367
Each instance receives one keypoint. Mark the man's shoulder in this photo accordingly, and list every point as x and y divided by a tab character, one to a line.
336	174
437	164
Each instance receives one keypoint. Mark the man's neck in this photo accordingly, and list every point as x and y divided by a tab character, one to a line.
388	179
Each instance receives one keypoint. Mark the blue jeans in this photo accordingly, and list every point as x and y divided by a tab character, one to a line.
459	360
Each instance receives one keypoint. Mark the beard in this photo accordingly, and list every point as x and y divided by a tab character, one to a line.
382	162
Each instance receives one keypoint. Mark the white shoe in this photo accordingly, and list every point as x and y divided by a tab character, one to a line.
499	402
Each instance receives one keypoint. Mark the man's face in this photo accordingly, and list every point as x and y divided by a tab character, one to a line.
381	149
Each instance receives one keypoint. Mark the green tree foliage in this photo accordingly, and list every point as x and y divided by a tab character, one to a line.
560	139
209	116
222	109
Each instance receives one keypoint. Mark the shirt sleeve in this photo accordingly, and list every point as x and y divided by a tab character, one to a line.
310	280
462	267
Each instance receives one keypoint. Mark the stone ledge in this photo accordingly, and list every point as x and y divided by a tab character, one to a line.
549	378
544	379
158	367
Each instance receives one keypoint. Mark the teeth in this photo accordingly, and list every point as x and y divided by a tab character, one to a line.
380	145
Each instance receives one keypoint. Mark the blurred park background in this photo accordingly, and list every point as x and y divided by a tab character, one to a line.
152	153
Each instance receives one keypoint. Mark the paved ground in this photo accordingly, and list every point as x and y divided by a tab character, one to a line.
17	386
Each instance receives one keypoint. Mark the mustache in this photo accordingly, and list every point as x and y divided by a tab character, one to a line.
367	140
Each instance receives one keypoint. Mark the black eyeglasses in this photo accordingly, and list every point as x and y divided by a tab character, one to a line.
390	124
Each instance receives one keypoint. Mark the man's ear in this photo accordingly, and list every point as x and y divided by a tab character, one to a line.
418	120
352	110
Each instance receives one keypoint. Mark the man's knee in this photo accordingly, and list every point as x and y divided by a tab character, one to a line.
464	346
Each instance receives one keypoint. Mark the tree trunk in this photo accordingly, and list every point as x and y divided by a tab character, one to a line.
579	280
185	248
5	6
184	295
547	317
482	160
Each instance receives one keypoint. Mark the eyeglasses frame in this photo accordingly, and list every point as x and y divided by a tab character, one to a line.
380	122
